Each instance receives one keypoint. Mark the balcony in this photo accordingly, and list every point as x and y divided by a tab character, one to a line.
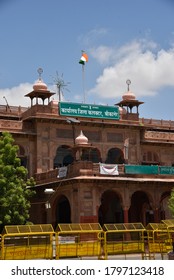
88	169
76	169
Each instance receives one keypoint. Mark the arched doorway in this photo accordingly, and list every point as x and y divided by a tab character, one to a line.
64	156
140	210
110	210
63	210
115	156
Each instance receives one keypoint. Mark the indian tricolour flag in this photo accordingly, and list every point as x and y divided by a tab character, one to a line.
83	59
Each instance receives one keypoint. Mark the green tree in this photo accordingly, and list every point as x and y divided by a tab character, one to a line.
171	202
14	193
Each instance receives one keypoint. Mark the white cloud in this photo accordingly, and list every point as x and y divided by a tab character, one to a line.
102	54
15	95
92	36
148	67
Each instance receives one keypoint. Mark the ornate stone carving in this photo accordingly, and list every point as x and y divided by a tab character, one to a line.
165	136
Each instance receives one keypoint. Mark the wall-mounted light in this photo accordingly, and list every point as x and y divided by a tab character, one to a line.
48	192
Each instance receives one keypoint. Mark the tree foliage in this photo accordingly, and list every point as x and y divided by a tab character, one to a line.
171	202
14	193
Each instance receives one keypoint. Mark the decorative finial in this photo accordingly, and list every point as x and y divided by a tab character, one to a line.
128	82
39	84
40	71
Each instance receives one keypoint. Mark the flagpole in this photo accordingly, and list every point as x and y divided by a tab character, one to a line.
83	60
83	81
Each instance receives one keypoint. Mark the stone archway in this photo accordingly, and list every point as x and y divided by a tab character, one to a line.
115	156
64	156
110	210
63	210
140	209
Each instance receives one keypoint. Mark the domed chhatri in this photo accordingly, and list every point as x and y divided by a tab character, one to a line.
40	90
128	103
81	139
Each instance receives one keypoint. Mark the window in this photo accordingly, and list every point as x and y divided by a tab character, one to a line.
114	137
150	157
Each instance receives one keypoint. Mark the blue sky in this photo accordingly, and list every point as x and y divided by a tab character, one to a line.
123	39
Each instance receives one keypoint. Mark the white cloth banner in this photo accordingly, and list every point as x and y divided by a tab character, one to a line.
108	169
62	172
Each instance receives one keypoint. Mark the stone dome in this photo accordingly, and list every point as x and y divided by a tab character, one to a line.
40	85
128	96
81	139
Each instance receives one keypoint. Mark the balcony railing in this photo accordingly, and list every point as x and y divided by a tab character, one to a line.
76	169
158	123
89	169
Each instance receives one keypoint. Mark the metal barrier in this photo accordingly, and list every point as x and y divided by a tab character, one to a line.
26	242
159	239
169	225
170	228
127	238
78	240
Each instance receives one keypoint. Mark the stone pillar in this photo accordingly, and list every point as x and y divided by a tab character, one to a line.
126	220
125	212
156	215
75	206
126	203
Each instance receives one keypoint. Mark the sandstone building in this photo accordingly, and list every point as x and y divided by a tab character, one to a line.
93	163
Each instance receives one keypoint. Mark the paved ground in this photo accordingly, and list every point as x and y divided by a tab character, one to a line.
139	257
131	257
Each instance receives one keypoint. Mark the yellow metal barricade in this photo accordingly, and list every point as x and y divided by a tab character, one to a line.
78	240
25	242
169	225
159	239
170	228
127	238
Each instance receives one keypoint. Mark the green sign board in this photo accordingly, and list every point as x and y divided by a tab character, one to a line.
141	169
88	110
168	170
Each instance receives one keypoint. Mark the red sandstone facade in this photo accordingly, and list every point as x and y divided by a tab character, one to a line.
49	141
